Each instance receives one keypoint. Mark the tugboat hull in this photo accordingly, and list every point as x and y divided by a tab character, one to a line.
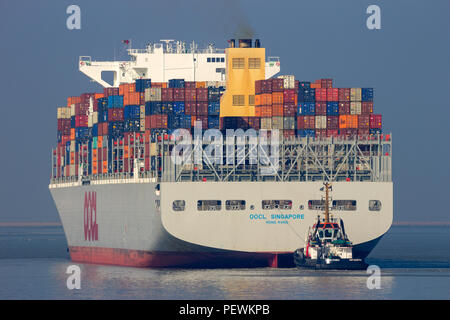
303	262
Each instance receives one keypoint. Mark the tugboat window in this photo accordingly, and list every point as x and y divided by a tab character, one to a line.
235	205
374	205
209	205
178	205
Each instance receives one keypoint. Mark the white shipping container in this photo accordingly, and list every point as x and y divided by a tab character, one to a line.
266	123
277	123
152	94
142	112
63	113
289	81
72	109
355	107
321	122
142	127
355	94
289	123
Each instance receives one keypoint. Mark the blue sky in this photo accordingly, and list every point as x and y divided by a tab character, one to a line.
407	62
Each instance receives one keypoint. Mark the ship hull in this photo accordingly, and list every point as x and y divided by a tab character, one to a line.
133	224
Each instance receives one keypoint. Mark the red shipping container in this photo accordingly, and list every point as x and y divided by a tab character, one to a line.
321	108
363	133
326	83
81	109
190	85
166	94
202	108
63	125
289	95
296	85
111	91
277	85
332	94
288	134
178	94
289	110
321	94
265	111
81	121
332	132
202	94
348	133
321	133
344	94
115	114
344	108
333	122
306	122
103	129
190	94
375	121
363	121
190	108
158	121
263	86
366	107
85	97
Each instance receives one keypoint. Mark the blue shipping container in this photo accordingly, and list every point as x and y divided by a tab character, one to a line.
213	108
115	102
332	108
131	112
367	94
306	109
142	84
176	83
213	122
306	133
178	107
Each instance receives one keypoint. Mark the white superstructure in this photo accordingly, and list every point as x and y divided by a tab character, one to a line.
168	59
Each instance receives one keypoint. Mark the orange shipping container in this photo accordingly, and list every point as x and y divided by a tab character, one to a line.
277	110
266	99
134	98
72	157
105	166
257	100
125	88
94	155
72	134
200	84
277	97
348	121
266	111
73	100
94	168
125	151
315	86
99	95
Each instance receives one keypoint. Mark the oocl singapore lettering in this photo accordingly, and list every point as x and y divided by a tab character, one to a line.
90	216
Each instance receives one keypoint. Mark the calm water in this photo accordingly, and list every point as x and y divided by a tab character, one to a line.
414	262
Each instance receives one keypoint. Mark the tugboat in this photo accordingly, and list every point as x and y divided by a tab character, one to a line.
327	245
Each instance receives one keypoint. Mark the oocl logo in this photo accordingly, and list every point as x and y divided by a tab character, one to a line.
90	216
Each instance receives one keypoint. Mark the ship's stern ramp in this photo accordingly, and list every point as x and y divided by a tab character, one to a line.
262	228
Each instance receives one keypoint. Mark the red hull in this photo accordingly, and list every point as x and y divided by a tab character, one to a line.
140	258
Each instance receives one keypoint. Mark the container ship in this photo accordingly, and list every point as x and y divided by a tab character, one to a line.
208	158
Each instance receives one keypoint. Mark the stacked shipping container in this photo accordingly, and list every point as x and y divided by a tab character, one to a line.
92	125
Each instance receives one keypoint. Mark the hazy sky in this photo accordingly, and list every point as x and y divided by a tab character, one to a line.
407	62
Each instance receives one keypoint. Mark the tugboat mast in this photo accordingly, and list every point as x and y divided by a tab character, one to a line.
327	208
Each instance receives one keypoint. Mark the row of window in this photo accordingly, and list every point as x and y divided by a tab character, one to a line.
239	100
238	205
215	59
239	63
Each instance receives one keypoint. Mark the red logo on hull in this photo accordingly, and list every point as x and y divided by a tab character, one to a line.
90	216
